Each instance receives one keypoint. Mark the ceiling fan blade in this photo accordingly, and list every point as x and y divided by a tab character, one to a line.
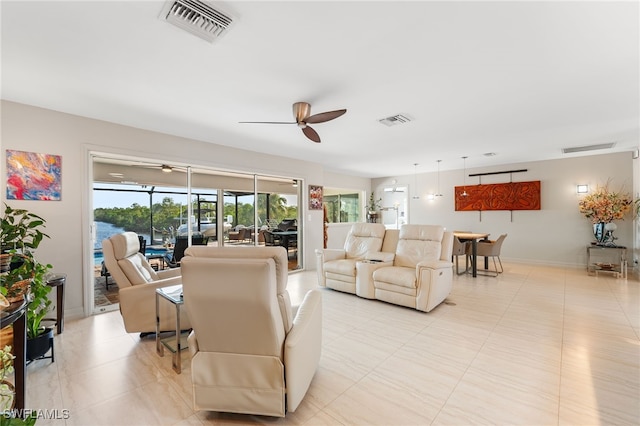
267	122
311	134
325	116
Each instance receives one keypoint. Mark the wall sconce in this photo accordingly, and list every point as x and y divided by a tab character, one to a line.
431	197
582	189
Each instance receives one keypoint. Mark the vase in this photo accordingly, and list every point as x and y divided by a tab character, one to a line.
598	232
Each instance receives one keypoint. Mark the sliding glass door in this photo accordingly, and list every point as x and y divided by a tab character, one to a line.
165	203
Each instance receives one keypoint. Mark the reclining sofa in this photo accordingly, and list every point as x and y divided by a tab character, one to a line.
409	267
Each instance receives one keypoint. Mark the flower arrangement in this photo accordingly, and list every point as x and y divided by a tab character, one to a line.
604	205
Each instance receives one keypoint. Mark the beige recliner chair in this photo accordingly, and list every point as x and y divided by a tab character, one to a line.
252	352
336	268
422	275
137	283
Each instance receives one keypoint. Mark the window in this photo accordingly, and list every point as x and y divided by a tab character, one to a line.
342	206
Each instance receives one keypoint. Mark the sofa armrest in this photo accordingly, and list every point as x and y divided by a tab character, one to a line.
333	254
169	273
138	307
434	264
302	348
380	256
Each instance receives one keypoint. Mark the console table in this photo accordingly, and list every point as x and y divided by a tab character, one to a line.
607	259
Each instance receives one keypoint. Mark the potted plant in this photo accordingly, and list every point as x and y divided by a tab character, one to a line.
22	232
374	205
7	390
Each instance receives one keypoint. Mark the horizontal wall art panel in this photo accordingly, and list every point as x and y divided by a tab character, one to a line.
499	196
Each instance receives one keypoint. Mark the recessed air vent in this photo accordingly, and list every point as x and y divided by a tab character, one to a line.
588	148
395	120
198	17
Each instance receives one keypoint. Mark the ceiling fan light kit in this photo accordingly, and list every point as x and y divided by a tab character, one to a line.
302	115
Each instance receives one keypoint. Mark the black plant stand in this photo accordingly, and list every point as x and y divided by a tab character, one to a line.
38	347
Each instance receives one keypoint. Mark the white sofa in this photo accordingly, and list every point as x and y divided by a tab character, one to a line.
411	268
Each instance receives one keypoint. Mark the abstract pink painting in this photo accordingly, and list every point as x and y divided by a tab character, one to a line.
33	176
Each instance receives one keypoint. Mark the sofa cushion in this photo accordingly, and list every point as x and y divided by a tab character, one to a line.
364	237
418	243
341	267
398	276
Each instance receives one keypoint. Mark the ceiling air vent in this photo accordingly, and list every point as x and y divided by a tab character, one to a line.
394	120
197	17
588	148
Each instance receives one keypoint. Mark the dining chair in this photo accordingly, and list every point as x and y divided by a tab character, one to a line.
460	248
492	249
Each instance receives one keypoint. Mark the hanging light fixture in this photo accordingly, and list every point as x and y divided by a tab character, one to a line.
438	193
464	178
415	181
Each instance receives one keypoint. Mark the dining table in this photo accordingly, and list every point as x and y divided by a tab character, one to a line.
286	237
473	237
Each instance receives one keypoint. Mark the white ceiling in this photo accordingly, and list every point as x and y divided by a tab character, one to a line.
519	79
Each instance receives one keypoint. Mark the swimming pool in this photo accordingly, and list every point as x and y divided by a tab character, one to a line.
98	257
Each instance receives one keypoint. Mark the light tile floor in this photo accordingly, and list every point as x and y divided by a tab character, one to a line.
535	346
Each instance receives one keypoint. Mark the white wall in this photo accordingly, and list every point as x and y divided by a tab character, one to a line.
556	234
69	249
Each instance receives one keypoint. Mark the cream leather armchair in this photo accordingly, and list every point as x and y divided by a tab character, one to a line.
421	276
336	268
137	283
252	352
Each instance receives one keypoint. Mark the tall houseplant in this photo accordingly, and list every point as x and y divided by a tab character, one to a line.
22	233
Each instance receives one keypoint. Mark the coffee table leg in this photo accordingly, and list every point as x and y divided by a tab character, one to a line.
177	361
159	348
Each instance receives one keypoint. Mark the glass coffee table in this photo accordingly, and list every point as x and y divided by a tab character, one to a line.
175	344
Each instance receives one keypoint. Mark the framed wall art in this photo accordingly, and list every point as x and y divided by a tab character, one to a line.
33	176
315	197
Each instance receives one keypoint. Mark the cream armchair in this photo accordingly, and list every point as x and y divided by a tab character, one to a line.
137	283
421	276
336	268
252	352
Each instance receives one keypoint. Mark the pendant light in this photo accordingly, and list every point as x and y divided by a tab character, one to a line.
438	193
415	182
464	178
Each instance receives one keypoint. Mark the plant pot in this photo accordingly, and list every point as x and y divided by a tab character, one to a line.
7	396
5	262
38	346
18	290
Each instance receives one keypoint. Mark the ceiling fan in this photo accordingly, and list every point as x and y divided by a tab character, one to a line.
302	114
163	167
